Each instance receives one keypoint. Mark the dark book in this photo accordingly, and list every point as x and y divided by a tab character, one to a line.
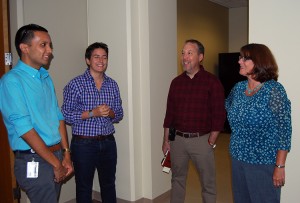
166	162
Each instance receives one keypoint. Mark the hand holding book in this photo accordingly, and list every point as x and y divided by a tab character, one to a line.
166	162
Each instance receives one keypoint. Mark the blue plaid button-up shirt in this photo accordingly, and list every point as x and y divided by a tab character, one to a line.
81	94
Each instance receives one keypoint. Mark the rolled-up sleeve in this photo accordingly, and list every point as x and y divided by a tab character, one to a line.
69	108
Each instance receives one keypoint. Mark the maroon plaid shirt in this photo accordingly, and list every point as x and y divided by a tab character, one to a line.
196	105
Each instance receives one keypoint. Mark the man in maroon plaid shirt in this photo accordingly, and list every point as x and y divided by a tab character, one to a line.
195	108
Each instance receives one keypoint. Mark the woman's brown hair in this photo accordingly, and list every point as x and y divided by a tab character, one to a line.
265	66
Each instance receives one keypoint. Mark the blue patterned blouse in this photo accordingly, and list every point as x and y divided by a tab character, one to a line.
260	124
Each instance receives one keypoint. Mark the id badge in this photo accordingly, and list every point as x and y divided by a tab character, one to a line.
32	169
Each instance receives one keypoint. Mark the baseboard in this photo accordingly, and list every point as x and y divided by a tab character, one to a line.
160	198
97	197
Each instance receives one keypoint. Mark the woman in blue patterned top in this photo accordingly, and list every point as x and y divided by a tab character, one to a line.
259	115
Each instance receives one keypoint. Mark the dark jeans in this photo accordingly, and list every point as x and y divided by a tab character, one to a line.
40	189
89	155
253	183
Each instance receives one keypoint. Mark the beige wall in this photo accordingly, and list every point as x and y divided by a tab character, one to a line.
238	28
67	27
209	23
277	28
142	60
220	29
66	23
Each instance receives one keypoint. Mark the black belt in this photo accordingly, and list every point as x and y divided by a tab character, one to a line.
52	148
189	135
97	137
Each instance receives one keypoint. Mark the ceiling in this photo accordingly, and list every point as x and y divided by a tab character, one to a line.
231	3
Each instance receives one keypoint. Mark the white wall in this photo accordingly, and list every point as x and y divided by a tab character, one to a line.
111	29
162	69
277	27
142	56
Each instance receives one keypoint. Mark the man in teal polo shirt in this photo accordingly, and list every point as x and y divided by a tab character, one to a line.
34	122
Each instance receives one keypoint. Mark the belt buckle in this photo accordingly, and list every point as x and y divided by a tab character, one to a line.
32	151
186	135
101	137
194	135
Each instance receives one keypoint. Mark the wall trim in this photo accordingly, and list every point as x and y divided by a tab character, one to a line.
96	196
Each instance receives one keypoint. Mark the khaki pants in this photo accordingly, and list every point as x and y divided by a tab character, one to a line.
202	155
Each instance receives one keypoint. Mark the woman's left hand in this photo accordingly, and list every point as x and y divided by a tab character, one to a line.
279	177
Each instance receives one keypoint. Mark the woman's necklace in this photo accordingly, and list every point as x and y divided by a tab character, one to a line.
251	91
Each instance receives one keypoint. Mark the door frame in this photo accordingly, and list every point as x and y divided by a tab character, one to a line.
8	182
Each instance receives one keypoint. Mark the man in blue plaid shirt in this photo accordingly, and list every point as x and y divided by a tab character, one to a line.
92	104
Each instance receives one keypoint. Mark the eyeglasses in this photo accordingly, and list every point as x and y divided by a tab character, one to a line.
245	58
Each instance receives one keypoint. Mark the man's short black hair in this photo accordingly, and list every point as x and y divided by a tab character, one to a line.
25	34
